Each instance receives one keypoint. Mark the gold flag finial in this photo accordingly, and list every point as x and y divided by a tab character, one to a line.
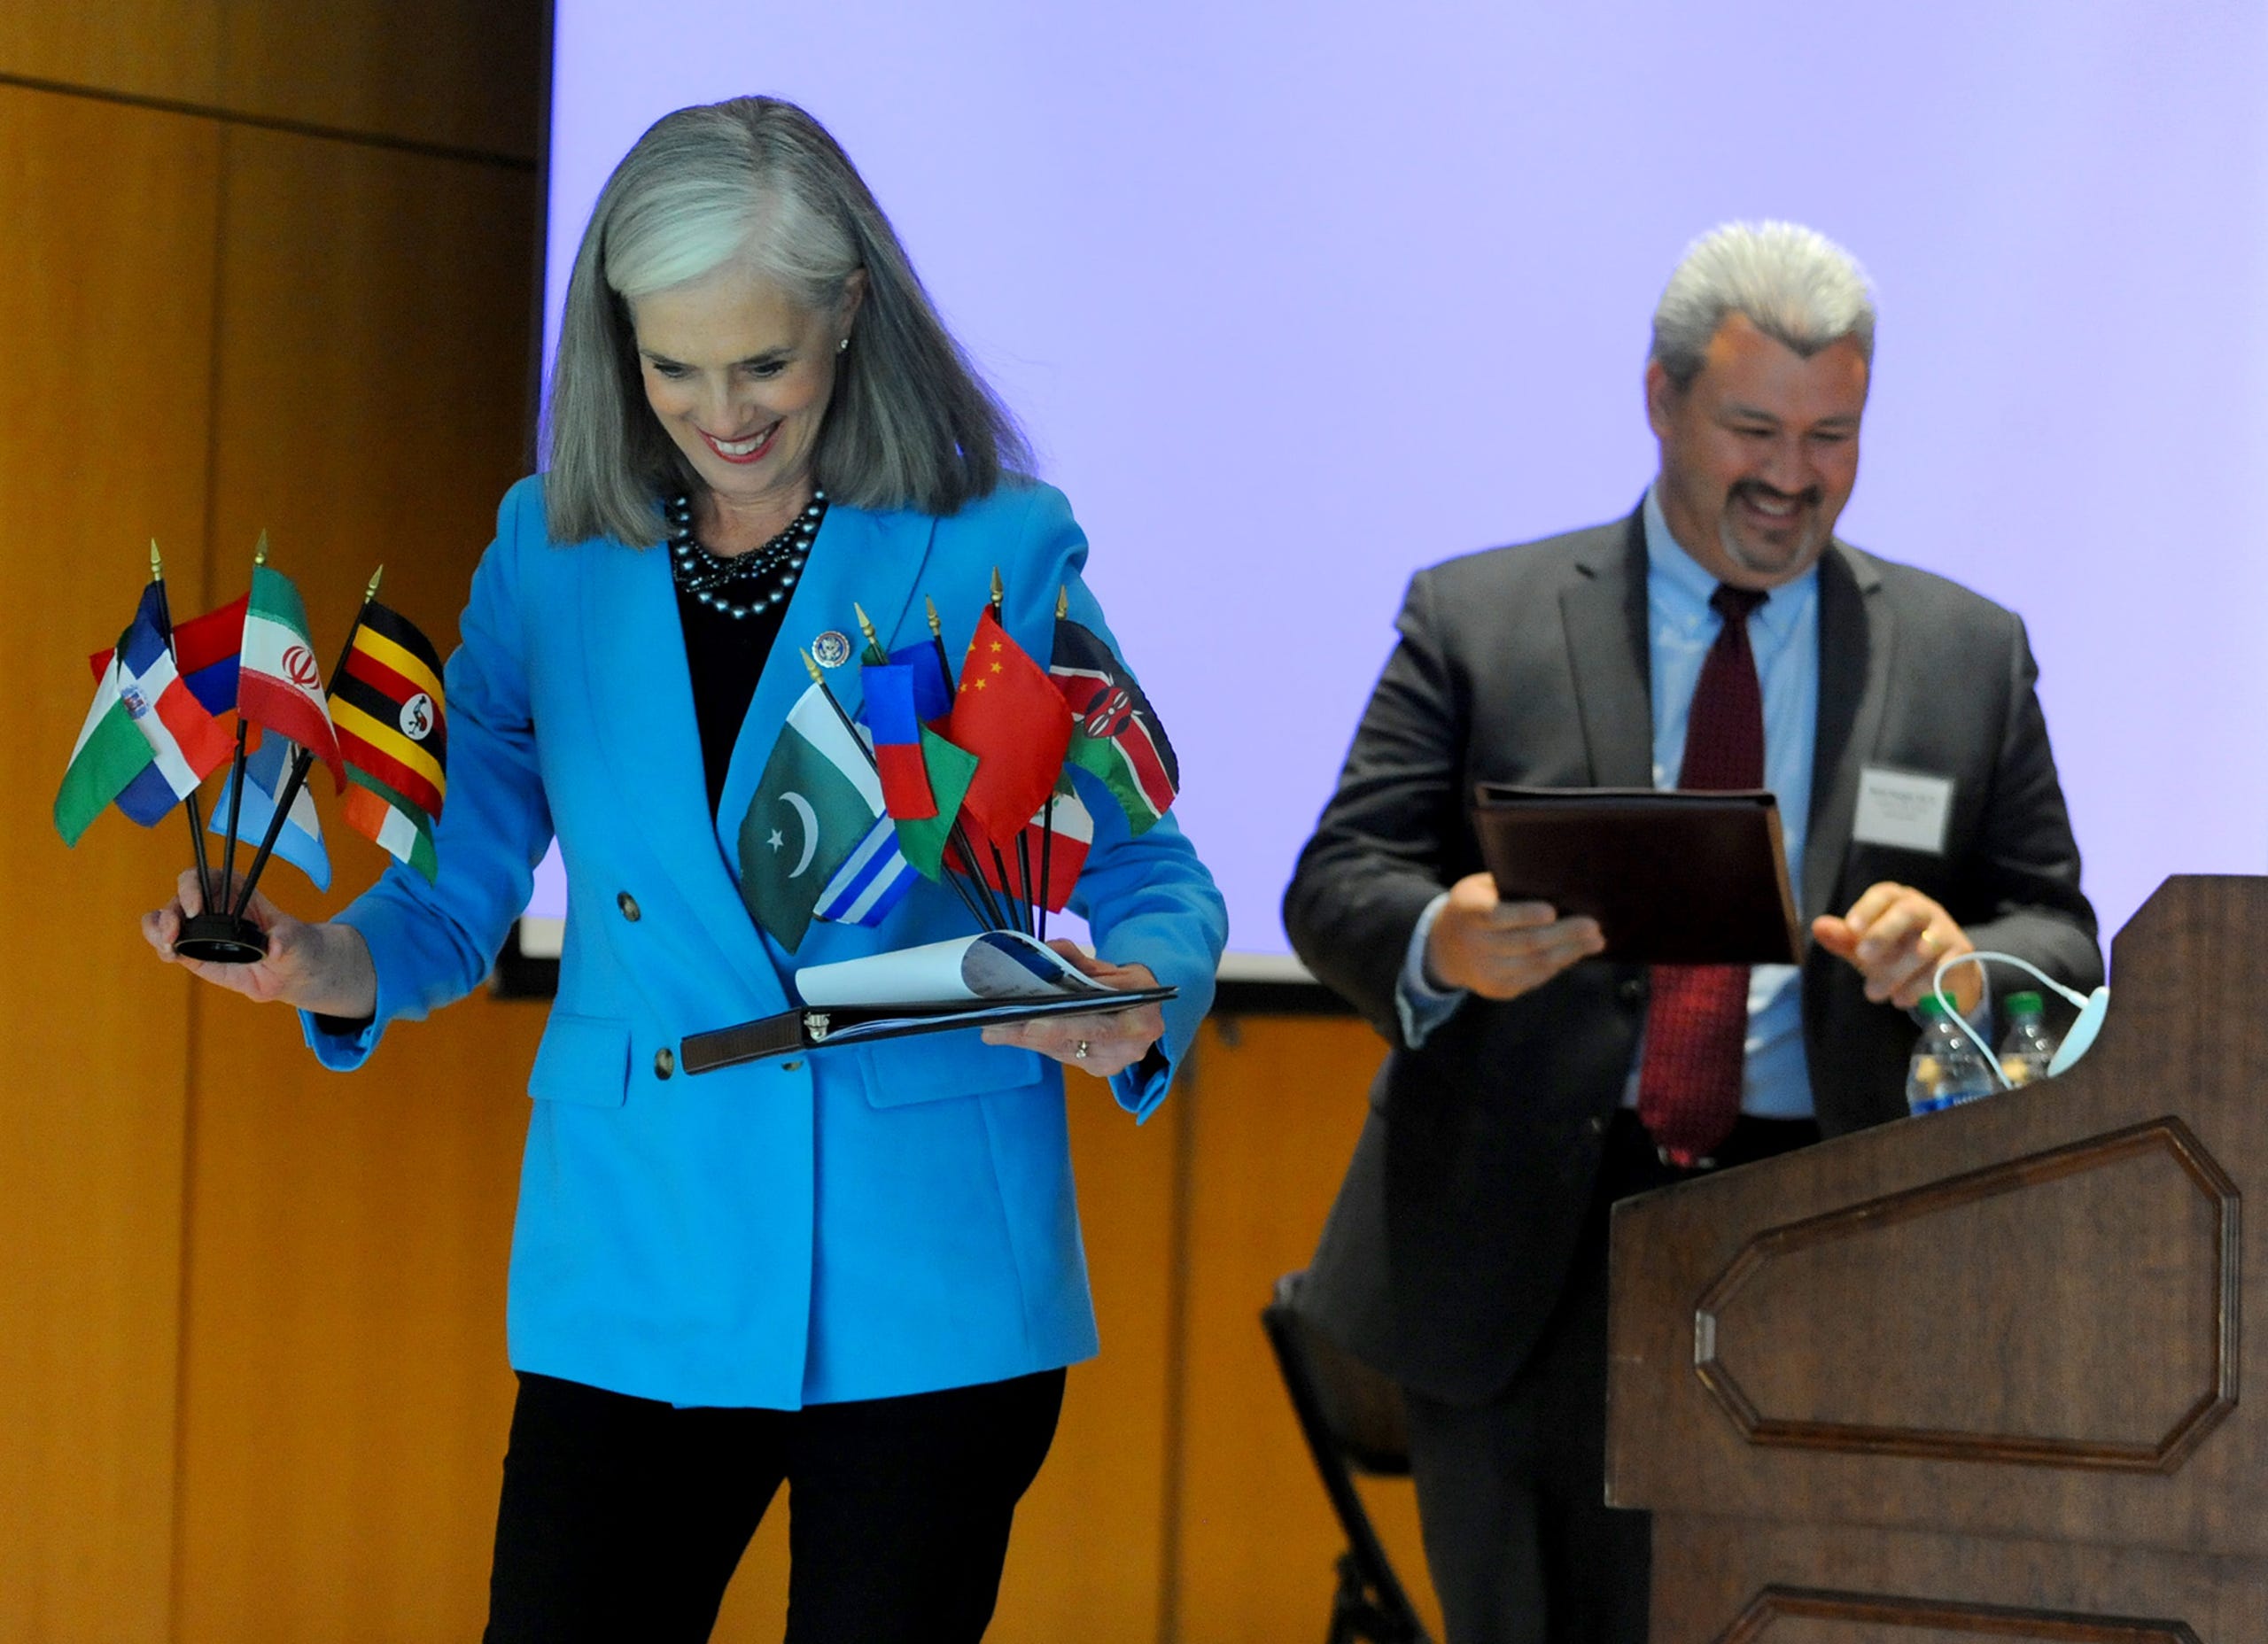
812	668
936	628
157	565
865	625
260	548
371	592
998	591
1062	601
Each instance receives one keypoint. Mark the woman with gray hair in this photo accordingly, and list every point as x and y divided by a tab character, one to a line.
859	1271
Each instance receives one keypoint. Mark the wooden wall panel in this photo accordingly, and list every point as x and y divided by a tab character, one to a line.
463	73
105	296
345	1393
146	48
1275	1117
1085	1563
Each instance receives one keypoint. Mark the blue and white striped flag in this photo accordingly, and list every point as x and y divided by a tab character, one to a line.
872	882
300	841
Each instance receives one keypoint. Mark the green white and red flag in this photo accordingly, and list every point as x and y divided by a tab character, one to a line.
279	683
1115	733
1054	849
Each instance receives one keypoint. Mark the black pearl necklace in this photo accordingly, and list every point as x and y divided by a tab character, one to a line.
741	584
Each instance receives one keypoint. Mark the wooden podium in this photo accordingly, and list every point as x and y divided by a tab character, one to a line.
1976	1376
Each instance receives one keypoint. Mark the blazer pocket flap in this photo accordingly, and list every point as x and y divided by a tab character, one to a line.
582	1058
931	1067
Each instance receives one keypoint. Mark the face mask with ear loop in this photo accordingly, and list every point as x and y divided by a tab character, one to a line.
2091	1008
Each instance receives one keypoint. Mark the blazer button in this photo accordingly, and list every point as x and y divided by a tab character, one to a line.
1598	1124
665	1063
1632	990
628	903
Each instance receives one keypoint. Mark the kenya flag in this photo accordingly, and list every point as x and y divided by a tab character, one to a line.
1116	734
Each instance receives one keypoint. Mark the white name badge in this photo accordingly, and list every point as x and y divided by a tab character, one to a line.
1903	807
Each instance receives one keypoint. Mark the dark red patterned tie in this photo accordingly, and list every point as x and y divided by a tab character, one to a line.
1688	1080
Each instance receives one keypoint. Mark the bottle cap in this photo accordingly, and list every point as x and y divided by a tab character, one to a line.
2027	1005
1932	1008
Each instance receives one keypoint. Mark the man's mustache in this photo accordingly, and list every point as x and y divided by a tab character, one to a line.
1810	497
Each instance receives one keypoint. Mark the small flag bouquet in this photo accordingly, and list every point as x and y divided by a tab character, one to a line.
160	725
957	777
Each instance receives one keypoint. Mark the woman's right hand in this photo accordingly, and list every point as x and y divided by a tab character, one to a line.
325	968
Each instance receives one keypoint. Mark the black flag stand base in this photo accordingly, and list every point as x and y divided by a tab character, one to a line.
220	938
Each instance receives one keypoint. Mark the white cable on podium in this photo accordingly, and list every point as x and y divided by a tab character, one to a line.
2091	1008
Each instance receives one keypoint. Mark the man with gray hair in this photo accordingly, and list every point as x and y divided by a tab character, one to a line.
1718	637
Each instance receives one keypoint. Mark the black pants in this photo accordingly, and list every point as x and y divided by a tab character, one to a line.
1512	1495
623	1518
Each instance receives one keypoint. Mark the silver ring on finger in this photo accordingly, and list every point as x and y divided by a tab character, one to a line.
1079	1051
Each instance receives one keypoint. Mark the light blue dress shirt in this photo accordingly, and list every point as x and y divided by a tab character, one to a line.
1681	627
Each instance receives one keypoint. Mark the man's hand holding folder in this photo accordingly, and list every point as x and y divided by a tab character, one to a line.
1500	950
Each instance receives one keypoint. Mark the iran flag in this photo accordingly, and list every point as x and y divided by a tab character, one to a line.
279	684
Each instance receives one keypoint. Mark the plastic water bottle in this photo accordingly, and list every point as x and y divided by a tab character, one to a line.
1948	1067
2027	1047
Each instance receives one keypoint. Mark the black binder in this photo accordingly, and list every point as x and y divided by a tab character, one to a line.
1673	877
814	1027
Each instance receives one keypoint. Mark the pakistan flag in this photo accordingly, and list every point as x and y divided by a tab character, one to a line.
817	802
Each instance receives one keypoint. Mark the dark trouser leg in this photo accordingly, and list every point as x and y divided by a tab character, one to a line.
899	1509
1512	1495
1522	1547
622	1517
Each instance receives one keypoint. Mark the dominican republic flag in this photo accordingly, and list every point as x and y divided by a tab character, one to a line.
188	742
300	841
1116	733
279	684
141	692
204	651
1056	854
891	714
815	843
391	720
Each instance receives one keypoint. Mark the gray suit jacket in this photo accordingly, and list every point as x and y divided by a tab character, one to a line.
1453	1234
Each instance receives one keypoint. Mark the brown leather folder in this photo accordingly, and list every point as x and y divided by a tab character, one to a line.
1673	877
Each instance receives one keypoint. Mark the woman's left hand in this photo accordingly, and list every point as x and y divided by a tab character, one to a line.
1101	1045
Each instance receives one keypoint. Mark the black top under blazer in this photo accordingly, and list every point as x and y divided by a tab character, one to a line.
1453	1234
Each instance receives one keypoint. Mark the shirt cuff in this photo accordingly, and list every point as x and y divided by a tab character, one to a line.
1422	1006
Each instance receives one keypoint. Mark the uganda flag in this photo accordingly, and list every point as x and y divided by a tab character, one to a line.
386	704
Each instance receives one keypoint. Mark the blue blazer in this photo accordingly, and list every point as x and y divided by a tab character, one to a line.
869	1221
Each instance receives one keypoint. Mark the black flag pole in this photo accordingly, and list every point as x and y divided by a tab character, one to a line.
1021	904
236	765
304	760
1047	815
818	678
945	667
195	811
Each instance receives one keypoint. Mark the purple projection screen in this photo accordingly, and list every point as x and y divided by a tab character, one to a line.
1296	298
